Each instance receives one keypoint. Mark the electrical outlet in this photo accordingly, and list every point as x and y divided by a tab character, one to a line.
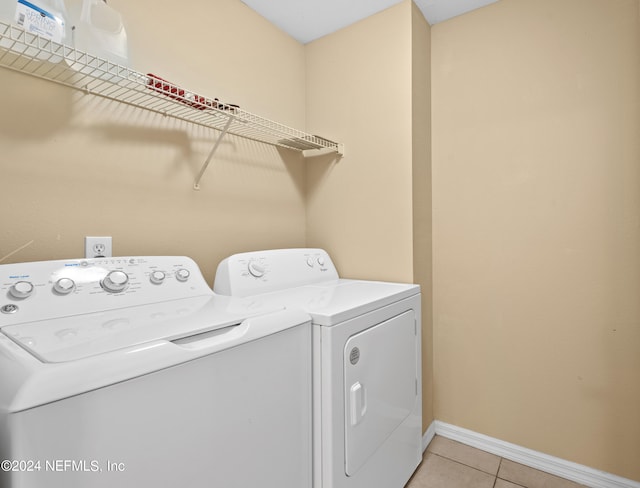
97	247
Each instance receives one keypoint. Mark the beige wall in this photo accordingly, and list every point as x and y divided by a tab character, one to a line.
421	192
536	225
75	165
359	92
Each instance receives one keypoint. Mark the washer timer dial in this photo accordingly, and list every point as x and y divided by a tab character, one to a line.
115	281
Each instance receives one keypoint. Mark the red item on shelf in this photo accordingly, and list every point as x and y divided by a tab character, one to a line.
196	101
167	88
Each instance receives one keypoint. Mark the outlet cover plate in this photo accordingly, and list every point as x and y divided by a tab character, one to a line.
98	247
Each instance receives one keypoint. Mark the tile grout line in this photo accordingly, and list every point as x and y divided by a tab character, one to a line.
508	481
461	463
464	464
497	473
496	477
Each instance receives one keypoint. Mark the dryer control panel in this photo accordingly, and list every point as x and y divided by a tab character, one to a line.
252	273
52	289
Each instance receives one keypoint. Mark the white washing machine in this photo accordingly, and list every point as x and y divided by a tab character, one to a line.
367	362
130	372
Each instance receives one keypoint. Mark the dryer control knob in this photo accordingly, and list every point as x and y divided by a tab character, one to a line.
310	262
21	289
320	261
115	281
256	269
64	286
182	274
157	277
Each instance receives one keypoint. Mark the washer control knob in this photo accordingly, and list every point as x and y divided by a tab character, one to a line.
157	277
256	269
64	286
115	281
21	290
310	262
182	274
320	261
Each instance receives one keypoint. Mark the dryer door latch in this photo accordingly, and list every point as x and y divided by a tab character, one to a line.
358	401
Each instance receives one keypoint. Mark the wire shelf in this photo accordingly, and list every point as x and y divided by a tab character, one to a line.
37	56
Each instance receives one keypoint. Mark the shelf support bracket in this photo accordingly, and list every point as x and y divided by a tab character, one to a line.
196	185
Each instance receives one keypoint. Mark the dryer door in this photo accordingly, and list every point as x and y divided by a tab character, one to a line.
380	371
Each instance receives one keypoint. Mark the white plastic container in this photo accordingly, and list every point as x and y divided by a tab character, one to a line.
47	18
7	15
100	31
8	11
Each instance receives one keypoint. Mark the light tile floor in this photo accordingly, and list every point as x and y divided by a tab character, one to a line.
449	464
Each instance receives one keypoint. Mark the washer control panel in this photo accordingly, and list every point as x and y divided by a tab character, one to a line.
52	289
257	272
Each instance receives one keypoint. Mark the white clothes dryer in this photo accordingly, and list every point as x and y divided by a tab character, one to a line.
367	362
130	372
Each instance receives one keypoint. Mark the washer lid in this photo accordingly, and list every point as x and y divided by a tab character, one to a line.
331	302
81	336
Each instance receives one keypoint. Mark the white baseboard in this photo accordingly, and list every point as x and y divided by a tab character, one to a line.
428	435
534	459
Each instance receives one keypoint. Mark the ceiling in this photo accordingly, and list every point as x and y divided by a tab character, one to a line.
307	20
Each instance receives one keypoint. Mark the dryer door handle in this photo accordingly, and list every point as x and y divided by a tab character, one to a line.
358	403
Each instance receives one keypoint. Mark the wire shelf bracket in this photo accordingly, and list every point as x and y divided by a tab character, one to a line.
196	184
